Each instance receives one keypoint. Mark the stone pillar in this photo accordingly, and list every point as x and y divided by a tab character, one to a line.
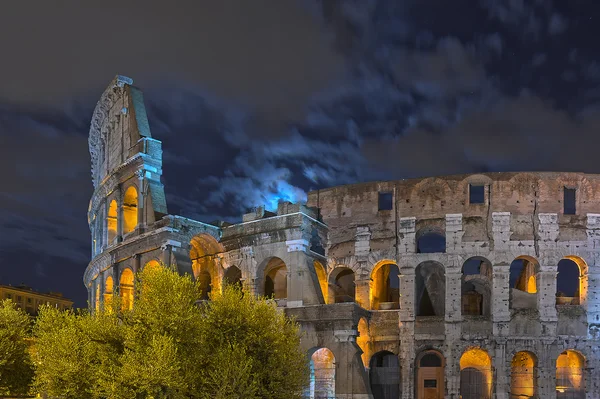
115	274
453	295
105	242
137	263
119	198
452	373
501	299
298	273
167	251
362	243
351	381
593	302
406	233
407	293
454	232
362	293
501	370
407	361
546	374
546	295
141	216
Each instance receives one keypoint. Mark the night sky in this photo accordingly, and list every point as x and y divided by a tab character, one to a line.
260	100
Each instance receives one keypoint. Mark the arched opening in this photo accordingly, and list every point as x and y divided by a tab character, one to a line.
570	381
523	283
108	292
276	279
126	289
385	286
384	372
568	281
322	277
475	374
233	277
430	289
204	251
430	375
341	284
322	374
431	241
130	210
363	341
476	287
523	376
153	264
111	222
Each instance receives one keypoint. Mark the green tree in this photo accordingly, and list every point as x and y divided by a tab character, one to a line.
16	369
170	345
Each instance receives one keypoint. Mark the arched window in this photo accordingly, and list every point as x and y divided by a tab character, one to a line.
570	381
322	374
111	222
276	279
126	289
341	283
475	374
385	286
204	250
476	287
430	375
363	340
430	289
322	277
233	276
152	264
523	375
385	375
523	283
431	241
568	282
130	210
108	292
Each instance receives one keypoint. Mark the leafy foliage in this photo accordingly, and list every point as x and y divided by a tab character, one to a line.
171	345
16	369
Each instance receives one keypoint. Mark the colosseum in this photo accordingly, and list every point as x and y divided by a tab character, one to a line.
467	286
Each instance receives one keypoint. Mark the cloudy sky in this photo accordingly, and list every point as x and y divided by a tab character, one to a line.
267	99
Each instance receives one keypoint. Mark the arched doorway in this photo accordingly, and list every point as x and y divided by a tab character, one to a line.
430	375
569	282
126	289
570	377
523	375
430	289
523	283
385	286
341	283
152	264
476	286
130	210
108	292
206	266
276	279
322	374
233	276
384	373
475	374
111	222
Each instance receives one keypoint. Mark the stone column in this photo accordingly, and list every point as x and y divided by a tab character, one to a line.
167	251
501	299
119	195
452	374
501	370
546	374
593	302
105	242
362	294
141	216
453	295
137	263
546	295
351	381
407	294
298	273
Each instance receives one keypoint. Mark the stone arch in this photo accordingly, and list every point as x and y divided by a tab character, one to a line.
126	289
111	222
206	265
570	376
430	240
476	287
342	285
322	374
523	375
475	374
233	276
108	292
571	281
523	282
322	278
275	279
384	373
430	289
363	340
130	209
385	285
430	381
151	264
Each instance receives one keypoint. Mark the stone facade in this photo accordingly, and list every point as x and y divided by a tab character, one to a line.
485	286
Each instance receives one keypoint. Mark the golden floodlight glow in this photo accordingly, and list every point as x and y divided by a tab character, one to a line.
126	289
322	276
130	212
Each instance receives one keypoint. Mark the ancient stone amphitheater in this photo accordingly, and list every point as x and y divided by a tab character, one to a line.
469	286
